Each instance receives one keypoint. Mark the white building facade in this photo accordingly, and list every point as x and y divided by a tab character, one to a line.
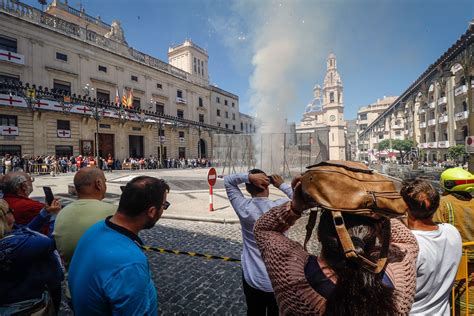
436	111
326	111
68	50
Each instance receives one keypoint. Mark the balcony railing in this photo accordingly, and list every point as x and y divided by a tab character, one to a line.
423	125
12	57
460	116
443	119
432	105
421	111
432	145
423	145
460	90
443	144
442	101
26	12
398	126
432	122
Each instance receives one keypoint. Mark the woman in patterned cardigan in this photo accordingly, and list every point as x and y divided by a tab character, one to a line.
330	284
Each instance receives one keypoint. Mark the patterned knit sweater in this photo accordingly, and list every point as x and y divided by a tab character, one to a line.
286	259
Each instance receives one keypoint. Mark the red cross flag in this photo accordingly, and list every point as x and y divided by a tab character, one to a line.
64	133
6	130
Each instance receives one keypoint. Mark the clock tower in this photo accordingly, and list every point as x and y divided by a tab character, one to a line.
333	109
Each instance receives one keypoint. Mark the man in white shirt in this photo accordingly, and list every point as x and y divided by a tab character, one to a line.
440	250
256	283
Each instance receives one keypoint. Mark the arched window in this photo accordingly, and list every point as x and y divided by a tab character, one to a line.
331	97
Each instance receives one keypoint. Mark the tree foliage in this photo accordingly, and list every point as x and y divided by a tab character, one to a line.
456	152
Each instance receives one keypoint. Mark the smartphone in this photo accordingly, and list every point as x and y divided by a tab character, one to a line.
48	194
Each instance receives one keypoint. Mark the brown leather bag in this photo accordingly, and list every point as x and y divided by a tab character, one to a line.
345	186
348	186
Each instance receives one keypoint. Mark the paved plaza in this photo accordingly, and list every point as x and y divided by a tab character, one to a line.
187	285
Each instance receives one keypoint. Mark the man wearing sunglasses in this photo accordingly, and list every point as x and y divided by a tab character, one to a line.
109	272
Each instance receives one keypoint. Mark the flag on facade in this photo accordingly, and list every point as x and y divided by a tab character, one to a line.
117	97
124	98
130	99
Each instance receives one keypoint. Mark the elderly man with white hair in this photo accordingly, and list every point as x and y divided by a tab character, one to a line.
18	187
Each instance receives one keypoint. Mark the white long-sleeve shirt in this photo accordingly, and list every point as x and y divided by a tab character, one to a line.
249	211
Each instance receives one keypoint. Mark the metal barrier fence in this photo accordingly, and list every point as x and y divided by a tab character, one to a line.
287	154
462	291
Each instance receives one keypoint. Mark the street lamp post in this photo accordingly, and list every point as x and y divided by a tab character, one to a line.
199	143
96	115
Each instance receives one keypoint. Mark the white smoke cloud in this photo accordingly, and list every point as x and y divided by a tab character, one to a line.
284	40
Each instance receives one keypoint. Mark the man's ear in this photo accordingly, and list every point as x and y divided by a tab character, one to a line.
152	211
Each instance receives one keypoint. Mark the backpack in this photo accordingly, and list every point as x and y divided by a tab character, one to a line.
350	187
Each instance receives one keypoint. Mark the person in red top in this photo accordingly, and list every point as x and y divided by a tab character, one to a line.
19	186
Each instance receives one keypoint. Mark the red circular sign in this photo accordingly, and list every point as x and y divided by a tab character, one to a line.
469	141
212	177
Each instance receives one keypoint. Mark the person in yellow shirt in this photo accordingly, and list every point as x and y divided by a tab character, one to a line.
457	208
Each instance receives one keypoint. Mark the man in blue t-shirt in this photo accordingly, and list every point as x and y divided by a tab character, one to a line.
109	272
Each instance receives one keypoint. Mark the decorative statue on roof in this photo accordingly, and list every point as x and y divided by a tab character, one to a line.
116	32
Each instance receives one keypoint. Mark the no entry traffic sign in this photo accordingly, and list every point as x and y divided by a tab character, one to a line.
470	144
212	177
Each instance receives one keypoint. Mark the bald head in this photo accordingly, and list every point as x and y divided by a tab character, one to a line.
90	183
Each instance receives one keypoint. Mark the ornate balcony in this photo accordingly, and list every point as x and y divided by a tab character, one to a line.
442	101
460	116
443	119
443	144
460	90
423	125
432	122
432	105
12	57
421	111
432	145
423	145
399	126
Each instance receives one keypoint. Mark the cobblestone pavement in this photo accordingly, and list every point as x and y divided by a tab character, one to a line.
196	286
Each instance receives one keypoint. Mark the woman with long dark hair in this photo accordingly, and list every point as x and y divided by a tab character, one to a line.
332	284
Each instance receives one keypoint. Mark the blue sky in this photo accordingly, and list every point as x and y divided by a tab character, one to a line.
381	46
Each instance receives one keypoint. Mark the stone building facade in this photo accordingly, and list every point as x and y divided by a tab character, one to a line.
68	50
326	111
436	111
365	116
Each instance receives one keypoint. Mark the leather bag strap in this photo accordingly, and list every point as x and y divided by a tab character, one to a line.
310	227
348	246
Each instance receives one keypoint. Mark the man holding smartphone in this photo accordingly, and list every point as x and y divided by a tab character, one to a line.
18	186
256	283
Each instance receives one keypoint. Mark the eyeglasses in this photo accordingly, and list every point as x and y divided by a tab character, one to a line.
166	204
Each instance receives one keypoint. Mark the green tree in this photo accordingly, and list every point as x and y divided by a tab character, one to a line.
456	152
385	144
402	145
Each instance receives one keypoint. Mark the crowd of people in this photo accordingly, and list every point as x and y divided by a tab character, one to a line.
93	247
53	164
